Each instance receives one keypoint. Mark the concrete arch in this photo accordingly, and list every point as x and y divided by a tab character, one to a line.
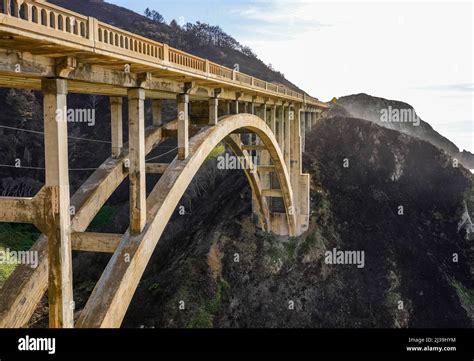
113	293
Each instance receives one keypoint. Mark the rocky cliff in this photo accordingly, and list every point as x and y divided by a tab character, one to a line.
372	108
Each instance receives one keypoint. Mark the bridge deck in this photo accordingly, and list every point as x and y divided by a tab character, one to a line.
50	32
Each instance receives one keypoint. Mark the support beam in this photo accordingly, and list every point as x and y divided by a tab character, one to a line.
213	111
302	125
296	147
6	7
263	112
273	119
17	210
274	193
235	107
95	242
300	182
252	108
183	126
281	128
137	175
252	147
289	116
156	168
57	220
116	125
266	168
156	111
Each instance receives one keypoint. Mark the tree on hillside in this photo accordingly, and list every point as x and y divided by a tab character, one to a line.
154	15
204	34
192	35
249	52
174	24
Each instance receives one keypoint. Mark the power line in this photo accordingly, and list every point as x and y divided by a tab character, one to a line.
42	168
26	167
70	137
74	138
161	155
42	133
79	169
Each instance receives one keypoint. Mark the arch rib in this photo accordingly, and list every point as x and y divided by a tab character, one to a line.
114	291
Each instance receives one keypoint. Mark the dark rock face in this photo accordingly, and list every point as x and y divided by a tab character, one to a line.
367	107
412	253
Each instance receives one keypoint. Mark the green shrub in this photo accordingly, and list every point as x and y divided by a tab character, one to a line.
217	151
102	217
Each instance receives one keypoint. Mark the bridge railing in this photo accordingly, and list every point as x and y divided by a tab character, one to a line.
260	83
47	19
243	78
220	71
111	38
55	22
272	87
187	60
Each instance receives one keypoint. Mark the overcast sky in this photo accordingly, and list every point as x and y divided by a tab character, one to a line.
420	53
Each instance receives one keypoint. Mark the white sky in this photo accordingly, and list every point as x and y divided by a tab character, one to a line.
420	53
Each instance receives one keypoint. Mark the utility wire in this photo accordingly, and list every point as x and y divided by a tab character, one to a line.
42	133
71	137
14	166
74	138
78	169
161	155
42	168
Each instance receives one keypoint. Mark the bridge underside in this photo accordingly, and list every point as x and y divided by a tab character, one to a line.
264	125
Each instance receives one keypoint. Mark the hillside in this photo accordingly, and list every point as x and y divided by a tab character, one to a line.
368	107
174	36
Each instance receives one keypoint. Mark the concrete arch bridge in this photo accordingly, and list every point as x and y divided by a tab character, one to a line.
51	49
